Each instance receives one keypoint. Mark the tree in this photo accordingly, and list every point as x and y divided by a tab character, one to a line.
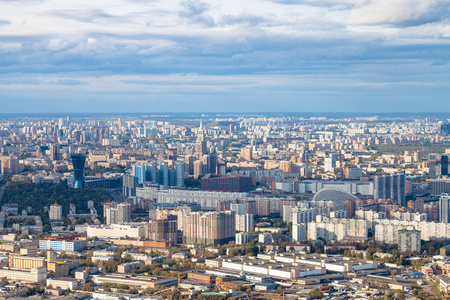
106	287
88	287
315	294
43	281
5	281
279	290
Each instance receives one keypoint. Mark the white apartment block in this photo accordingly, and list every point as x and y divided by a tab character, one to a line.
299	232
326	231
409	241
244	222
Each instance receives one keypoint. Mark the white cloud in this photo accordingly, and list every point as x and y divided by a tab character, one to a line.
400	12
56	45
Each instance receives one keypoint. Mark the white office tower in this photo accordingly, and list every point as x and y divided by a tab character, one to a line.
299	232
55	212
244	222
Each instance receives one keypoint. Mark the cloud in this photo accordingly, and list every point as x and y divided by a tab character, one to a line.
195	11
82	15
343	4
244	19
273	50
56	45
70	82
400	12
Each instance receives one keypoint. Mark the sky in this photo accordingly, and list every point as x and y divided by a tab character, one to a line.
224	56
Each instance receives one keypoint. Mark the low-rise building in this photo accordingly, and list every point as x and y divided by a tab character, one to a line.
137	281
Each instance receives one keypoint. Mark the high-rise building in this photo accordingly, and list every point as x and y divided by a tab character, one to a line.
150	173
444	208
164	168
390	187
409	241
55	212
432	166
124	213
330	162
208	227
129	185
138	171
244	222
179	168
198	167
444	165
247	153
200	146
299	232
213	163
162	230
78	161
118	214
206	160
189	164
9	165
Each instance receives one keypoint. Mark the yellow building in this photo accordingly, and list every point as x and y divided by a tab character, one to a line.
26	262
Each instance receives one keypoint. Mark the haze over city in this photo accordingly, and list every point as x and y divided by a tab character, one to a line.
266	55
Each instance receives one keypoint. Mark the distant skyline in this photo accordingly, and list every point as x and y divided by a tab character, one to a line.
155	56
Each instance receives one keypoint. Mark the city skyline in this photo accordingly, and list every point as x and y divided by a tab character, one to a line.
184	56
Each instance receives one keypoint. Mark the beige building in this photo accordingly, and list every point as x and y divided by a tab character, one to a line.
27	275
9	165
26	262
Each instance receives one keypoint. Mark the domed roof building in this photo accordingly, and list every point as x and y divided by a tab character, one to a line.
333	195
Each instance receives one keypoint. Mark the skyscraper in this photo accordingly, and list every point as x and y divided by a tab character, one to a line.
119	214
164	168
162	230
200	147
78	161
444	165
390	187
179	169
150	173
432	165
208	227
139	172
444	211
129	185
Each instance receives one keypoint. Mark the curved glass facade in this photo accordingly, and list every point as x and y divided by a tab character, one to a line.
78	170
